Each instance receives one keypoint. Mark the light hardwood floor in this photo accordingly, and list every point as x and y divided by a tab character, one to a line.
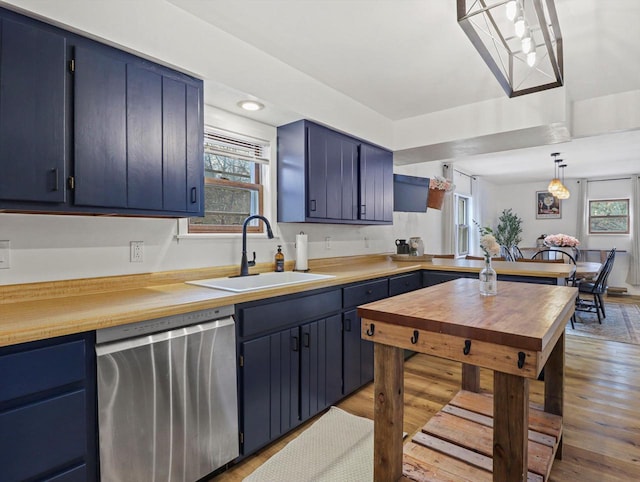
602	409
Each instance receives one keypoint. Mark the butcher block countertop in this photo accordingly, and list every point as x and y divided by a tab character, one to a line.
37	311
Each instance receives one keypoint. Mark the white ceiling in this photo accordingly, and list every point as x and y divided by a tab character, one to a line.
405	58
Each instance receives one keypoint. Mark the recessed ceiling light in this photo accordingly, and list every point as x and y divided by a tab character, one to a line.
251	105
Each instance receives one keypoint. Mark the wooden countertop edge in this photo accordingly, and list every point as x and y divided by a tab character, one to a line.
37	311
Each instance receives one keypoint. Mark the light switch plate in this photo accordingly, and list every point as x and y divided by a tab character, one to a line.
5	254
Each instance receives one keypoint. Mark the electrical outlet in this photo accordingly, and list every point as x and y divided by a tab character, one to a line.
136	252
5	254
327	242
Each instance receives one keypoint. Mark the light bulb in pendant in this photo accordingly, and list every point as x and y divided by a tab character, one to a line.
531	57
527	41
511	9
519	26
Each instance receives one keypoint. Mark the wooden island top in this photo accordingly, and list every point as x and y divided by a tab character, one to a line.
476	436
36	311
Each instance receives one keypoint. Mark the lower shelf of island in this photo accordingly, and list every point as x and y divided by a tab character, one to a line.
457	442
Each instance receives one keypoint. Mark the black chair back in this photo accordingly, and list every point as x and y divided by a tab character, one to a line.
547	254
505	253
600	285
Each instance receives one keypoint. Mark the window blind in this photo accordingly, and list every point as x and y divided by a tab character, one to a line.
224	145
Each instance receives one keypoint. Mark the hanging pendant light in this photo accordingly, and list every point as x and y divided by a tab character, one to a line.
555	185
564	192
511	9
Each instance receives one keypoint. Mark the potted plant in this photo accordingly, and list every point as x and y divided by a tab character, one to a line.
438	187
509	230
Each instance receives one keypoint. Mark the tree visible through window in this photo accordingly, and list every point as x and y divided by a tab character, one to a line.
609	216
233	187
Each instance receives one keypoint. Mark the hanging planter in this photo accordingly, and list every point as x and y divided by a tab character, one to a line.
436	198
438	187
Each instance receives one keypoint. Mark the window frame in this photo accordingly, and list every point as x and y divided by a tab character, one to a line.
627	217
257	186
466	224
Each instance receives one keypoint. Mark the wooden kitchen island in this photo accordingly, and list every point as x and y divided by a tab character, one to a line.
477	436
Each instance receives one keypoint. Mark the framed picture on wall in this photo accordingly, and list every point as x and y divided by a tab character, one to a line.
547	206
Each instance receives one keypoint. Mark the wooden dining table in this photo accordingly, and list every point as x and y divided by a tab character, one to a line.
587	269
477	436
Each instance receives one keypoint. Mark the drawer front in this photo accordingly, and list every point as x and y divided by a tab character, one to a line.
265	317
405	283
365	293
46	434
31	371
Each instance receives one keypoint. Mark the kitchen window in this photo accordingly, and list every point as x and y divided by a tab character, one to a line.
609	216
233	183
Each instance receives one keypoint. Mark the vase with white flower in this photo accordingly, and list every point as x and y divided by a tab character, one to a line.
488	276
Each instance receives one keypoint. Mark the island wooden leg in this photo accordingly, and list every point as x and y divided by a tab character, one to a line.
389	411
554	384
470	377
510	427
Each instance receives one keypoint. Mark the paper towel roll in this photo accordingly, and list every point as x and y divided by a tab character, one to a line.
301	252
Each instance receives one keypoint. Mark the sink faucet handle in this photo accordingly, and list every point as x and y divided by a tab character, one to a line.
253	261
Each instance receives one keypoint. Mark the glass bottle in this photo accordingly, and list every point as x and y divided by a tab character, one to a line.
488	279
279	260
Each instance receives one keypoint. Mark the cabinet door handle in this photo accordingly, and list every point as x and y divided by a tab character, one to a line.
307	340
369	292
347	324
194	196
56	179
295	343
363	210
312	205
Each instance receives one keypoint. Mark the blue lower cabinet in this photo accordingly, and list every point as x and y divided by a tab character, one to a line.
47	411
269	381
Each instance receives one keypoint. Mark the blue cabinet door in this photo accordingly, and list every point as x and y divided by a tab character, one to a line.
144	138
357	354
317	148
332	174
182	147
376	184
32	113
269	384
100	127
320	365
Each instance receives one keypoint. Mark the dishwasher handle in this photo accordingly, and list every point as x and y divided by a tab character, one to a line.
127	344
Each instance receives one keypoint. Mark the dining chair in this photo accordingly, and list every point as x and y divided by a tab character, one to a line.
555	255
595	289
505	253
444	256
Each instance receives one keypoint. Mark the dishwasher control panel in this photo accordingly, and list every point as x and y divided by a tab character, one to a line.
165	323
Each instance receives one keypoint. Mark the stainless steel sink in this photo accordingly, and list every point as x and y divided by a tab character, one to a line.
256	282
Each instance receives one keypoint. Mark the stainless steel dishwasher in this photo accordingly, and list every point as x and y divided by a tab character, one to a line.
167	401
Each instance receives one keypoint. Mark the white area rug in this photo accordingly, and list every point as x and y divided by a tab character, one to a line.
337	447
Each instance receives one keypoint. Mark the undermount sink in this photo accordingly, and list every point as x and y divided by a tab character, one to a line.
256	282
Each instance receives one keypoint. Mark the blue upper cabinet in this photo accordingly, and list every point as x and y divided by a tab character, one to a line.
328	177
138	135
88	128
32	113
